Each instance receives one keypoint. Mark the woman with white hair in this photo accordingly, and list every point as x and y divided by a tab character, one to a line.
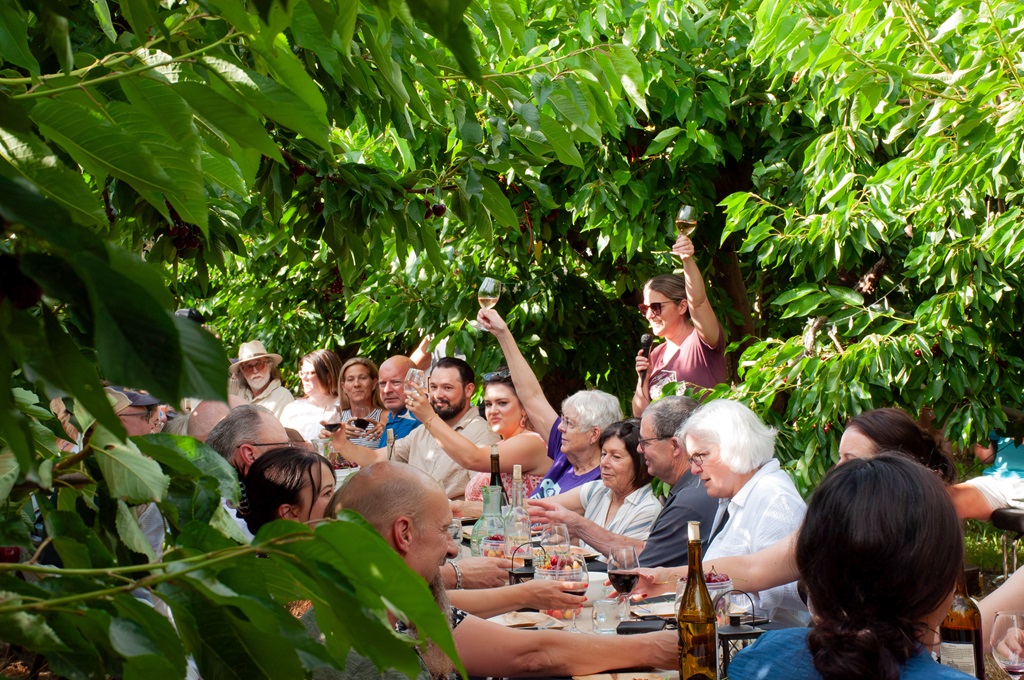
732	452
573	438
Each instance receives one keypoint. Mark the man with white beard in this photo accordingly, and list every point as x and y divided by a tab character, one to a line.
256	378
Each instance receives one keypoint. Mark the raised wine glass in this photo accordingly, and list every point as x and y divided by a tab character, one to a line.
331	418
686	220
1008	642
488	293
417	379
622	570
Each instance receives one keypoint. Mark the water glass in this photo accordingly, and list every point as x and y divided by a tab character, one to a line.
607	615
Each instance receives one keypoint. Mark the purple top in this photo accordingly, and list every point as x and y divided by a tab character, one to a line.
560	478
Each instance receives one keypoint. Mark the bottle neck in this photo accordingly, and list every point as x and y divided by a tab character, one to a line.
492	500
696	568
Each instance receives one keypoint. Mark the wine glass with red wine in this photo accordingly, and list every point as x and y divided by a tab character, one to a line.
622	570
1008	642
332	419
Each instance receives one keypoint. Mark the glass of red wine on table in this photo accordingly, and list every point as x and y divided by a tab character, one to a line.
622	571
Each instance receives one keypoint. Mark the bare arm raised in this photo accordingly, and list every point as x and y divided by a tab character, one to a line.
701	314
542	414
525	450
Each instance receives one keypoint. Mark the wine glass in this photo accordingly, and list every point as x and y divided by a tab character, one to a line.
1008	642
554	540
416	379
686	220
576	574
622	570
488	293
331	420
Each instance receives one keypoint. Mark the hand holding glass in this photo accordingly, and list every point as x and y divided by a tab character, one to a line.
1008	642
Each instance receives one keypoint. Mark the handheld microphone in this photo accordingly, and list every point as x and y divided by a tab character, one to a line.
646	340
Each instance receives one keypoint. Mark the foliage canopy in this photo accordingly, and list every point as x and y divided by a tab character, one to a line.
281	164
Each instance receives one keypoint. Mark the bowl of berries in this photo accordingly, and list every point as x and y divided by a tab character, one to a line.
562	567
493	546
718	584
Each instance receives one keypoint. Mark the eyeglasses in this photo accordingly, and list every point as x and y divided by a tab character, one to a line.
255	365
697	459
641	444
290	445
503	374
569	423
656	306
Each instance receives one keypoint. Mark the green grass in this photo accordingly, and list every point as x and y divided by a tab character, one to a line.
983	546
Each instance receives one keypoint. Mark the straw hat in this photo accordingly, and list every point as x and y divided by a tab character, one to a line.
250	351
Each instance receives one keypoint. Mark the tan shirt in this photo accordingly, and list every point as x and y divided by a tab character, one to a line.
274	398
421	450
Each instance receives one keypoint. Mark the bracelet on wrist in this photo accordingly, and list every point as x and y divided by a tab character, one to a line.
458	576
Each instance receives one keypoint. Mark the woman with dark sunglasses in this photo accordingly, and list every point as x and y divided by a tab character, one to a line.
678	310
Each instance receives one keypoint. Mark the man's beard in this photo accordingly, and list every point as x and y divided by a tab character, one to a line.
439	665
449	411
257	382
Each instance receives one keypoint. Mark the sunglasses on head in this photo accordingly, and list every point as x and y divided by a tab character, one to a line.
503	374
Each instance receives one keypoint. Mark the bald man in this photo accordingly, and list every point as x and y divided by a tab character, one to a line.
410	510
207	413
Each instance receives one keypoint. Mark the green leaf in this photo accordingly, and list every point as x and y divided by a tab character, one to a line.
130	532
846	295
99	146
34	161
141	15
130	476
272	100
287	69
229	118
630	75
795	294
192	458
497	204
662	140
9	470
103	14
28	630
447	25
150	634
131	328
560	141
78	376
56	29
14	38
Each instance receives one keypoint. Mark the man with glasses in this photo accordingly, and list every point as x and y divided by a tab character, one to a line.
139	413
688	501
256	378
244	435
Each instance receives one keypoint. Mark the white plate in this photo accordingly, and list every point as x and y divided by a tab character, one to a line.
527	620
662	609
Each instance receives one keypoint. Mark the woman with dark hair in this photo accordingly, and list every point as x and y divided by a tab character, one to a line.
621	501
894	429
678	310
872	528
866	435
287	483
519	445
319	372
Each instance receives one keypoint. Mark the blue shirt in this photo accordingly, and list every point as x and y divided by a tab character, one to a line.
783	655
561	477
402	424
1009	461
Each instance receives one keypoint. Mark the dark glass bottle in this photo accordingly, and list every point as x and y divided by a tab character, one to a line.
961	646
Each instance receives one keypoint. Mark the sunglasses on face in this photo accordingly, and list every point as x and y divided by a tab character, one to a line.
257	365
655	306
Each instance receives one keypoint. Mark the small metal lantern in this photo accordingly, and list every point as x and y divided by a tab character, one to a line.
736	635
526	572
